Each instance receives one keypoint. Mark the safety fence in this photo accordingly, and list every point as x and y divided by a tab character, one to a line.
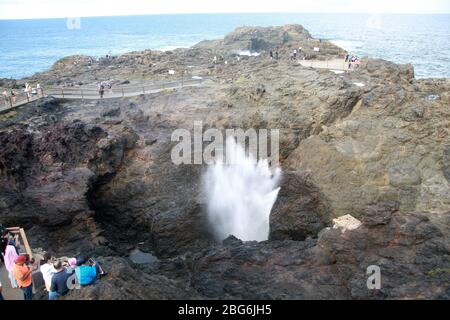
20	98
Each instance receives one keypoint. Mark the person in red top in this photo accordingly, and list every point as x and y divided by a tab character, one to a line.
23	275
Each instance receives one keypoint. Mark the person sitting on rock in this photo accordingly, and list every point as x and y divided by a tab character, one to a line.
72	263
86	271
59	286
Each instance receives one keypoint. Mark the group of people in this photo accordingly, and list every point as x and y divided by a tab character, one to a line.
59	276
102	86
29	90
10	96
275	56
353	61
295	54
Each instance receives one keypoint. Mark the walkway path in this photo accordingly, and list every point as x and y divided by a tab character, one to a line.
91	93
334	64
8	293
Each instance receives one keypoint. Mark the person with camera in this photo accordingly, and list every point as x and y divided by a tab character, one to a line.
24	276
87	271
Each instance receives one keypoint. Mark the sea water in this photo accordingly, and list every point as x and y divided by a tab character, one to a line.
29	46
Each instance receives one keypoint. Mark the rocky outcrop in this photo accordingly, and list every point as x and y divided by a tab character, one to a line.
365	157
264	39
47	171
300	211
126	282
411	252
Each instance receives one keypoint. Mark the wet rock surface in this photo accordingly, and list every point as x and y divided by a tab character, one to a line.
95	177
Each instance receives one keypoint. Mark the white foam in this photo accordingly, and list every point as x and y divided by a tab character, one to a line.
359	84
348	45
248	53
168	48
240	195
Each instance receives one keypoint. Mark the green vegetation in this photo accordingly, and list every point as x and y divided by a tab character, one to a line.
8	115
438	271
167	90
241	80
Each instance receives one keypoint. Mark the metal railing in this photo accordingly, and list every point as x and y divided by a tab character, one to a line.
22	98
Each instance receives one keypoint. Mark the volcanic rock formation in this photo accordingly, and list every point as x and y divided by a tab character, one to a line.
95	177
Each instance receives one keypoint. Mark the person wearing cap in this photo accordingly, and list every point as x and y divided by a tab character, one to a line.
24	277
47	270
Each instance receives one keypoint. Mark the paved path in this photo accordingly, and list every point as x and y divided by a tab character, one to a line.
8	293
334	64
91	93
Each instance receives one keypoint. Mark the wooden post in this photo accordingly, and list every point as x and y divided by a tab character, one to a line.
25	243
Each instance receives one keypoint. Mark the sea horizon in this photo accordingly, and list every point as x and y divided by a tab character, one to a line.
385	36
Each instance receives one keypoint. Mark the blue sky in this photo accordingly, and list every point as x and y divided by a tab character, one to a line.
29	9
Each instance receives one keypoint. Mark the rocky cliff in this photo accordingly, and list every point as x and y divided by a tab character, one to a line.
96	177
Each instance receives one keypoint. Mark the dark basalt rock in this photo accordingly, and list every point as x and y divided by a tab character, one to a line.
96	177
300	211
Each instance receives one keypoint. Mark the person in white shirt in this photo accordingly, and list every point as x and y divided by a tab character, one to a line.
48	270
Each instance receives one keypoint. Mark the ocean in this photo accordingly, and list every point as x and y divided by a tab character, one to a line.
29	46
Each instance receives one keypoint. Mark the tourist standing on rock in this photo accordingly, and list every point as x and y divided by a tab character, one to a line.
47	270
9	257
271	55
101	90
59	281
24	277
346	57
276	55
